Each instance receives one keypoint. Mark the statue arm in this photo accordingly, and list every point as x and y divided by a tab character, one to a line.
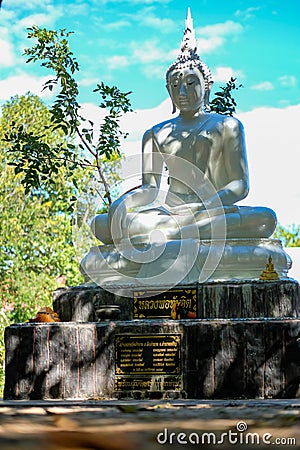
236	183
152	165
152	162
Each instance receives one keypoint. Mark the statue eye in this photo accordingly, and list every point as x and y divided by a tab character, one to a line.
190	82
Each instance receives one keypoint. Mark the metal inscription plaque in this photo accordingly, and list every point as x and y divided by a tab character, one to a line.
175	303
152	383
148	362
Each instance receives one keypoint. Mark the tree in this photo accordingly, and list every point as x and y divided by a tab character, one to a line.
39	161
223	102
289	236
36	249
31	222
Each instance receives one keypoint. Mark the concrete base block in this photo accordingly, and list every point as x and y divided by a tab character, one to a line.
153	359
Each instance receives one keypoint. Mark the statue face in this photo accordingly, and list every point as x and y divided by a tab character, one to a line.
186	88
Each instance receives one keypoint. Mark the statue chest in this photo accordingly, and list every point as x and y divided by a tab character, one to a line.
198	148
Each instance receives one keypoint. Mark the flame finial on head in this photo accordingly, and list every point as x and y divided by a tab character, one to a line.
188	57
189	43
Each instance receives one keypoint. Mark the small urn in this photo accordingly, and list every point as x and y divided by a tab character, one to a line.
106	313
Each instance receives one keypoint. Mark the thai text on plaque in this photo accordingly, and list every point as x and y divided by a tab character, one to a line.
175	303
148	383
153	354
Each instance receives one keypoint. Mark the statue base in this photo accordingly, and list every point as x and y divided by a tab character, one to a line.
215	300
223	346
153	359
183	262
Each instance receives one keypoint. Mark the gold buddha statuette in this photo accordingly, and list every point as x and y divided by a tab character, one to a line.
269	273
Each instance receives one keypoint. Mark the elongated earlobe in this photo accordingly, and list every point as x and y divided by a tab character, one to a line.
206	99
169	92
206	102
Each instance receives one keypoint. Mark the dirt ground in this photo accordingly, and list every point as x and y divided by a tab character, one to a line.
147	425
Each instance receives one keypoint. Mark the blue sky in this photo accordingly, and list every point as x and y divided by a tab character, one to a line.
131	44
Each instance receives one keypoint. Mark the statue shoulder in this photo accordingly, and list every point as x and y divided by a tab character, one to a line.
230	125
156	129
228	121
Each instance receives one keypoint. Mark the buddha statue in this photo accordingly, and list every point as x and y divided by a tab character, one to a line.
213	143
269	273
205	155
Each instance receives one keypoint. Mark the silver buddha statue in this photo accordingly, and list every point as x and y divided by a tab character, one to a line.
199	230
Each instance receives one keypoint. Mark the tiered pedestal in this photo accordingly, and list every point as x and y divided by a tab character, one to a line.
243	343
214	300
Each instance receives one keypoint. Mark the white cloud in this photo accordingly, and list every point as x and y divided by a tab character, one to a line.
80	9
263	86
207	45
21	84
146	17
223	74
164	25
213	36
7	17
94	113
7	57
294	253
150	51
273	155
220	29
35	19
118	62
157	71
141	120
29	4
89	81
15	21
247	13
116	25
288	81
135	2
46	18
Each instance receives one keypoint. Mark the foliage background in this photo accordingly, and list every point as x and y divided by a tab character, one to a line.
36	250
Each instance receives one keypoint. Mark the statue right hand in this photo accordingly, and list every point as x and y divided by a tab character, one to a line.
118	219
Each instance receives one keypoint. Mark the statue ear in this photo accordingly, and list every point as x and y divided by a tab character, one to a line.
173	105
206	101
206	98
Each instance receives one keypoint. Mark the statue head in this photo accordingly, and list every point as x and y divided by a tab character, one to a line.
188	64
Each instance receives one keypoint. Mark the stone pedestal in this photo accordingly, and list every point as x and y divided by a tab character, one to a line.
181	262
234	340
214	300
154	359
